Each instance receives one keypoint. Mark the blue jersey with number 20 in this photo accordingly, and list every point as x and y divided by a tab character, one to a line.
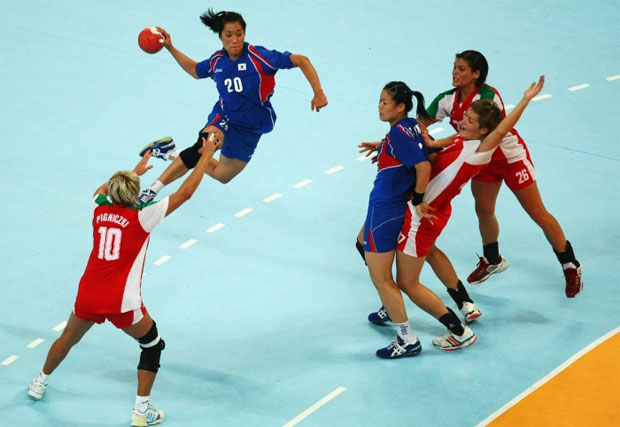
246	85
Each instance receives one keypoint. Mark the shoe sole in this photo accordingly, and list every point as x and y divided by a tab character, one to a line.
472	317
35	396
499	270
415	353
379	323
166	139
466	344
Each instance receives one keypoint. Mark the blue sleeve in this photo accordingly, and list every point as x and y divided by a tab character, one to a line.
203	69
274	59
409	149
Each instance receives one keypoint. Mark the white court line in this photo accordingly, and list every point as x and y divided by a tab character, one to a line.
611	78
302	183
188	243
546	378
578	87
161	260
243	212
314	407
9	360
334	170
214	228
272	197
35	343
541	97
434	131
364	157
60	326
509	106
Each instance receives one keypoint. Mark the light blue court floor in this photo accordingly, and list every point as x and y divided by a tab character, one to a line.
265	316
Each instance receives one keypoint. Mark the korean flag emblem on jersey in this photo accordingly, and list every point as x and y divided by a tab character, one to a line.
241	67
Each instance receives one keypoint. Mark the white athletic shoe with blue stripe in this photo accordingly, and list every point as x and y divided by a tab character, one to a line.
151	417
162	149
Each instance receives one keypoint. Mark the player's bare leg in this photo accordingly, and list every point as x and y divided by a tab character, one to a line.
225	169
530	199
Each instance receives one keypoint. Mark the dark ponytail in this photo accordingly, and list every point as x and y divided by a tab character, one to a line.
401	94
217	21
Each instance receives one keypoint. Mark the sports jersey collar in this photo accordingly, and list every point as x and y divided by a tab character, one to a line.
245	51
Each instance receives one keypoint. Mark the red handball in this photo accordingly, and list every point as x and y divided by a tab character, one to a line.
151	40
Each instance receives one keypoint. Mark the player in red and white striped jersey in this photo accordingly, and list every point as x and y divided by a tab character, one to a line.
511	163
110	288
461	158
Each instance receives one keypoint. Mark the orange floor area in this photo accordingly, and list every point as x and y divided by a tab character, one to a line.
585	394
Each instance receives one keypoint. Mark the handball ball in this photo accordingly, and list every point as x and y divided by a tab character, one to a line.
151	40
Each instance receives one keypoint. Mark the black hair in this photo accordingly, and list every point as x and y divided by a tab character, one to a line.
217	21
477	62
401	94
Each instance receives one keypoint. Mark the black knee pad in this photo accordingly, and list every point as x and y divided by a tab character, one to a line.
151	345
190	155
360	249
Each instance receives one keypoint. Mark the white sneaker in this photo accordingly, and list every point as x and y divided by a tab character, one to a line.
36	389
470	311
151	417
450	341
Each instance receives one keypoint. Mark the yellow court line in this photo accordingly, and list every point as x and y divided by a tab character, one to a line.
586	393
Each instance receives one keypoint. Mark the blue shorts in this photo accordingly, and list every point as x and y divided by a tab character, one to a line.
238	143
382	227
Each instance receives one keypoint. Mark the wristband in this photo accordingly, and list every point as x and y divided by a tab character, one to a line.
416	199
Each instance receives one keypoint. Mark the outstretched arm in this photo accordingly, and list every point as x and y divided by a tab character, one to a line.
319	100
434	143
140	170
492	140
187	63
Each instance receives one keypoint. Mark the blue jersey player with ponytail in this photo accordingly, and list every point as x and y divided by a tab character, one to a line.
244	75
404	173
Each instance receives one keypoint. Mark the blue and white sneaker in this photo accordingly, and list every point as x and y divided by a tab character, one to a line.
146	196
151	417
162	149
379	317
398	349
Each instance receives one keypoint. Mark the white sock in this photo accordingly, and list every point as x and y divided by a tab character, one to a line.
568	265
405	332
157	186
42	378
142	403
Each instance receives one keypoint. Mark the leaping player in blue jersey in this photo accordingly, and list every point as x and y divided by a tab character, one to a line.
245	78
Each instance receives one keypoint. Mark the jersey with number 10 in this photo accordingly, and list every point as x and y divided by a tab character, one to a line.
111	283
245	85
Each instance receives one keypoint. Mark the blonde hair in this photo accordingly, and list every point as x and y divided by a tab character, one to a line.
124	188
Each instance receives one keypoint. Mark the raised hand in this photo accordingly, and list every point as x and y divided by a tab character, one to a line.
143	165
534	88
